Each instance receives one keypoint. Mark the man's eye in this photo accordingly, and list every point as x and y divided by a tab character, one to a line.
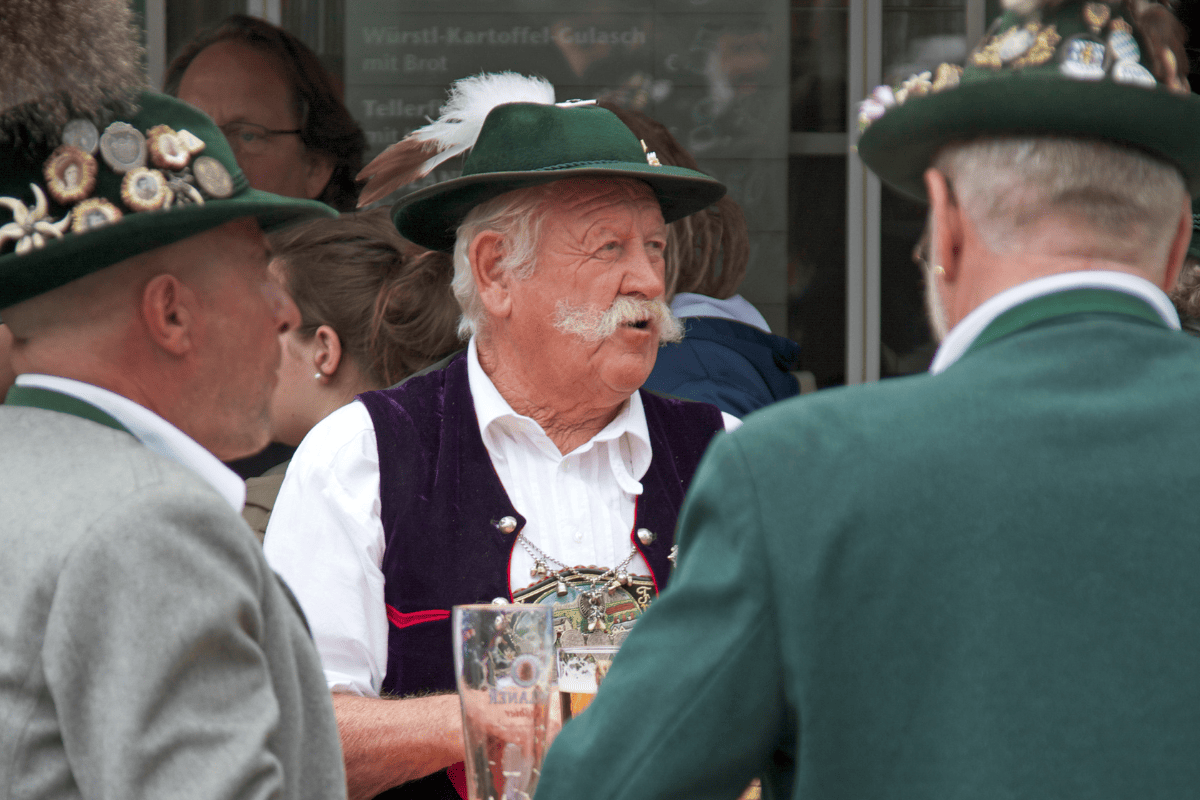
249	137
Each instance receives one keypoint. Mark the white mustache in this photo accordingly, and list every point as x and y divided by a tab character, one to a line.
594	325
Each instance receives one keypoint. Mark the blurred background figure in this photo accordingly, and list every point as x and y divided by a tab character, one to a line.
374	309
1186	294
7	376
284	117
282	112
728	356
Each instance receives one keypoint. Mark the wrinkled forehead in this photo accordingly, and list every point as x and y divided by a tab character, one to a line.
581	195
581	192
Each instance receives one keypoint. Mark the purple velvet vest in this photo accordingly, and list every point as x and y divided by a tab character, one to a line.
441	501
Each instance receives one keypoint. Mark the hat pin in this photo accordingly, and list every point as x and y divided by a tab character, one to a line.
30	227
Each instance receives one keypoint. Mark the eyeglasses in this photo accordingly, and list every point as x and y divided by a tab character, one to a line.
249	138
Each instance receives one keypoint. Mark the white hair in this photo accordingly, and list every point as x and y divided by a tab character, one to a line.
517	217
1005	185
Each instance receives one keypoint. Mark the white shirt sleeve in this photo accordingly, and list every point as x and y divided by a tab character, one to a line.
325	539
732	423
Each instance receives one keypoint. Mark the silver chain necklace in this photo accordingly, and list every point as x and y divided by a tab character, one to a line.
592	599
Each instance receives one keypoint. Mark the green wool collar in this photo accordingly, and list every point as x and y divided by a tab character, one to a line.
1075	301
35	397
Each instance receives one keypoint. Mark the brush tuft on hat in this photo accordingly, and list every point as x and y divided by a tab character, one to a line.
63	59
452	133
1166	39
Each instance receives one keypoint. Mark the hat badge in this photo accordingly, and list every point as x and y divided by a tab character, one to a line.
651	156
31	228
167	181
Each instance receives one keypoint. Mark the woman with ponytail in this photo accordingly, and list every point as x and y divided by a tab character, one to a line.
374	309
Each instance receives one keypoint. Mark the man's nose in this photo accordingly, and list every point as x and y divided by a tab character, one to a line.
645	276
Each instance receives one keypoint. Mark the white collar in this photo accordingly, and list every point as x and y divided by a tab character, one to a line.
736	308
629	458
151	430
959	340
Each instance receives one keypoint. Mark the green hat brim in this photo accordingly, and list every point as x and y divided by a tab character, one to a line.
76	254
79	254
431	216
902	144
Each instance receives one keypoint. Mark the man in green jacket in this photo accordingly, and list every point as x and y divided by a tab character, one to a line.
980	582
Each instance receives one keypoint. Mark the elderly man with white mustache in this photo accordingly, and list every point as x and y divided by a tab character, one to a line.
529	468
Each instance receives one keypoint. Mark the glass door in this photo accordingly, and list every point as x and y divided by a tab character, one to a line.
854	295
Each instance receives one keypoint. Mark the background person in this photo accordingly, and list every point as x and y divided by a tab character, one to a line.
285	119
728	356
1185	296
374	309
279	107
7	376
1009	611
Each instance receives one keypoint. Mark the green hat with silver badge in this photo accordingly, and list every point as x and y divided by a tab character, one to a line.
1114	71
98	194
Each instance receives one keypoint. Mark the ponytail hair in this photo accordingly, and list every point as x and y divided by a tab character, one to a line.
387	299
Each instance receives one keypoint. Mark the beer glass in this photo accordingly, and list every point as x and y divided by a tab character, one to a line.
581	670
504	665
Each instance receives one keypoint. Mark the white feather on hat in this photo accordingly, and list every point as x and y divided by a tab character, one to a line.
452	133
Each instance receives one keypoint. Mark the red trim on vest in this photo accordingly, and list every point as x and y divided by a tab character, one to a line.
457	773
406	620
633	537
512	552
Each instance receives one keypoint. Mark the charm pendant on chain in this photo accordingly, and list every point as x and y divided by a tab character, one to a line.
591	609
586	599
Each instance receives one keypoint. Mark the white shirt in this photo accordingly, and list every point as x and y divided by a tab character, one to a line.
151	430
960	339
325	536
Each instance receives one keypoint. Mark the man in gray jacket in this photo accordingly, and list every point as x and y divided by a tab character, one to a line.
146	649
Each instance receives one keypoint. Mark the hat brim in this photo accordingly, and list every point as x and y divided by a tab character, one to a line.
902	144
431	216
79	254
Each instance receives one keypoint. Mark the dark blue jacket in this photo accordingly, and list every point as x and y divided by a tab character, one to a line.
734	366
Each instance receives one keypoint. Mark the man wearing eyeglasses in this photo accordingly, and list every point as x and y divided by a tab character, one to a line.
284	118
277	106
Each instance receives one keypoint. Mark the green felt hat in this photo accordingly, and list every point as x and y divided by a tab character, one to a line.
1079	69
74	207
527	144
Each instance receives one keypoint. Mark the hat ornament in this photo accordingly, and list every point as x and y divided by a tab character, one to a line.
30	227
1106	50
454	131
70	174
885	97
